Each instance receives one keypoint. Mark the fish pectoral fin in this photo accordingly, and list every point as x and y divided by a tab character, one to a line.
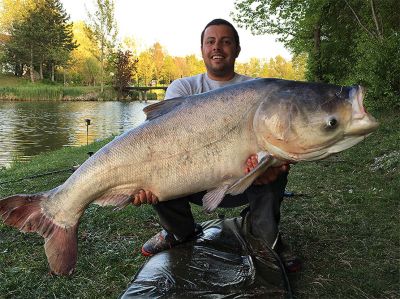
243	183
115	197
213	198
155	110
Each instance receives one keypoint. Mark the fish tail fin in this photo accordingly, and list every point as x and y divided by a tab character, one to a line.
61	249
24	212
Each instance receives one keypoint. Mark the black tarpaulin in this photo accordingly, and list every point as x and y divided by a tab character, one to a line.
225	262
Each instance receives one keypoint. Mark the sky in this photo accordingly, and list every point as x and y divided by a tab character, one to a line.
177	25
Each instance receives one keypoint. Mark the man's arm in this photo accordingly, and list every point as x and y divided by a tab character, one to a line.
176	89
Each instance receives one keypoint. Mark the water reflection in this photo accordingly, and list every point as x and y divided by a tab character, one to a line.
29	128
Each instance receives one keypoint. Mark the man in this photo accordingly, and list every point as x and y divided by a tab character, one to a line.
220	46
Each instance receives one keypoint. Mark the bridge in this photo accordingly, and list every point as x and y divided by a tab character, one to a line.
143	90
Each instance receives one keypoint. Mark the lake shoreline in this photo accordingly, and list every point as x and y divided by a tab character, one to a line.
43	92
87	97
93	96
30	127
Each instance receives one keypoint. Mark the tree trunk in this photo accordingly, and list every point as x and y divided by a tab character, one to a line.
52	72
31	67
41	70
102	67
317	53
17	69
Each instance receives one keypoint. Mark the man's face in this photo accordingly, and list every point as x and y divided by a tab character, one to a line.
219	51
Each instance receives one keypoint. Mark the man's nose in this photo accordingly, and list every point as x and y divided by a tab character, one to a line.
217	45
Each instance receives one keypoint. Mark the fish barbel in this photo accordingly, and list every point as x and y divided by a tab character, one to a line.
192	144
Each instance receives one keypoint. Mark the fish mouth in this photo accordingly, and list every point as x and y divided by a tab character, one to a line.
322	151
362	127
345	143
362	123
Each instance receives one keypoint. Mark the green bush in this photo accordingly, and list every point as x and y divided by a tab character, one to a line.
378	69
134	95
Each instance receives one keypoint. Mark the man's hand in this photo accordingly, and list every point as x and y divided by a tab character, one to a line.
270	175
144	196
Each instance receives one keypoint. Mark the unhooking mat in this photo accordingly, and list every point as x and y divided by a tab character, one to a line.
225	262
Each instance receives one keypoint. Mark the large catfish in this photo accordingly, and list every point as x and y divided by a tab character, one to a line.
193	144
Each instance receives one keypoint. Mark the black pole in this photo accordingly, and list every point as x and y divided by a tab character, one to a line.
87	120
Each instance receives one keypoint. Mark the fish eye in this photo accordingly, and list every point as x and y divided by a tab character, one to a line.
332	123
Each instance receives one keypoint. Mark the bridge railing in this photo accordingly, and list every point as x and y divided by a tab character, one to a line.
143	90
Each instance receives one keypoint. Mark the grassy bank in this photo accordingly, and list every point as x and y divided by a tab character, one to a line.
343	223
20	89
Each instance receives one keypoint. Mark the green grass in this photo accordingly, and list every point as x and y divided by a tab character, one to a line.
14	88
343	223
11	81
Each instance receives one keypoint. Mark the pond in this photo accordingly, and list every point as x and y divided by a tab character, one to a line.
30	128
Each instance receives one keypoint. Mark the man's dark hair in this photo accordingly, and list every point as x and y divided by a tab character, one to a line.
222	22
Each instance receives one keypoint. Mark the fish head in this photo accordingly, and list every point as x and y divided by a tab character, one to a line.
310	121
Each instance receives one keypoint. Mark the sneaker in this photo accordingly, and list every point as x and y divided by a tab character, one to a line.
164	241
159	242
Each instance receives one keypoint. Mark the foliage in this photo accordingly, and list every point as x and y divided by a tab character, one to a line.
158	55
125	66
146	68
13	11
346	42
43	36
92	62
379	70
84	68
102	30
276	67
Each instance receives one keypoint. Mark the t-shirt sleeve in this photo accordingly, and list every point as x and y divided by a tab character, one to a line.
176	89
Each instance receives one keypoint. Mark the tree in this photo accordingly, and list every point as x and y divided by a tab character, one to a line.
13	11
193	65
59	42
254	67
280	68
125	65
42	36
338	37
158	56
84	67
102	29
170	70
25	45
145	67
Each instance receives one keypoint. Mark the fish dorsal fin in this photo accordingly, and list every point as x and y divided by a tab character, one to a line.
243	183
155	110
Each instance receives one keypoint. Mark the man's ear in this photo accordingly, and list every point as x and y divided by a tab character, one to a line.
238	51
